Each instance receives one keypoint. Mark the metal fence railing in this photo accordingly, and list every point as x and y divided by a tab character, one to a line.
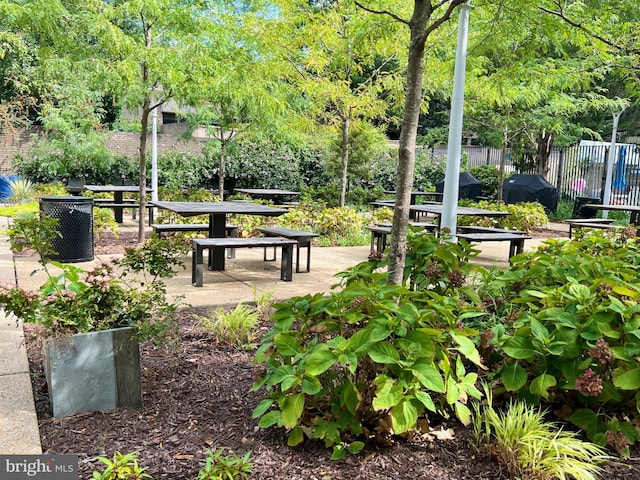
575	171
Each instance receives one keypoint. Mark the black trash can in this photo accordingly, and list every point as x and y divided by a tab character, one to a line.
75	224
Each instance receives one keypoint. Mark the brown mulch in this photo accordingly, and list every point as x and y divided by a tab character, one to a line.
196	397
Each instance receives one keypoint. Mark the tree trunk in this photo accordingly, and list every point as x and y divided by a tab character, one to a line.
221	172
545	144
345	161
142	149
407	143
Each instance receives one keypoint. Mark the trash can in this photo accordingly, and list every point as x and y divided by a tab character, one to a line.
75	224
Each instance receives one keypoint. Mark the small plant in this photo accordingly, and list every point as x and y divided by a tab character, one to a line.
235	327
73	300
22	191
225	467
264	302
121	467
533	448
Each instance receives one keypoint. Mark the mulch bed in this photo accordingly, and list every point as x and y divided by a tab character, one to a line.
196	398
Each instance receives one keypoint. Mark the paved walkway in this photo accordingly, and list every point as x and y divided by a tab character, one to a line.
245	277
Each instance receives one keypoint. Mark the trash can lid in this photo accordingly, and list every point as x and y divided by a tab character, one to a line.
70	199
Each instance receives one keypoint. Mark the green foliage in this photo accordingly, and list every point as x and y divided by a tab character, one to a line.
181	171
334	223
564	210
523	216
428	169
530	447
121	467
489	177
22	191
73	300
236	327
562	327
219	466
382	215
367	361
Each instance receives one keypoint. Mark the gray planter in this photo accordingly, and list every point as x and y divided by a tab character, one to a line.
94	371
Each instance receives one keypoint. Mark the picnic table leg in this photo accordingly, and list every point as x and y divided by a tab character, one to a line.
217	229
117	211
196	266
286	264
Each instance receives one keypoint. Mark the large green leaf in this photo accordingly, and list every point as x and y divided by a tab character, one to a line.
468	349
541	384
388	393
629	380
292	409
350	397
270	418
286	344
383	352
513	377
262	407
520	348
311	385
320	361
296	436
429	376
404	416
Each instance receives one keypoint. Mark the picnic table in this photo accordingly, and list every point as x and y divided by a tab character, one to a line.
118	204
634	210
437	209
218	212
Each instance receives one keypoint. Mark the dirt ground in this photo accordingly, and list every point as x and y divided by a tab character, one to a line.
196	398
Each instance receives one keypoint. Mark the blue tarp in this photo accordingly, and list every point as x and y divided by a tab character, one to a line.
620	180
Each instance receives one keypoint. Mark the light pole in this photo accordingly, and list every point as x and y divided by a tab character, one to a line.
454	146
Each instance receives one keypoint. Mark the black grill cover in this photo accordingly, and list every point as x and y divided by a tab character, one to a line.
468	187
523	187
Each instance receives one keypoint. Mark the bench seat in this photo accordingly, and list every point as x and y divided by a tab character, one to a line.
201	244
516	240
380	232
594	225
478	229
304	240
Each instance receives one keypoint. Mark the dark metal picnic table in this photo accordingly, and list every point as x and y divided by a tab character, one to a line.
634	210
218	212
118	193
437	209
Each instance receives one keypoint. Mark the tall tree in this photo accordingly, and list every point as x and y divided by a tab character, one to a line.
347	65
425	18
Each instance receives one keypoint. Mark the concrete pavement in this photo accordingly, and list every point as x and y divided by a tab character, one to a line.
245	277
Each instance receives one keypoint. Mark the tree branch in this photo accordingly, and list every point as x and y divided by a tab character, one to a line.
382	12
560	14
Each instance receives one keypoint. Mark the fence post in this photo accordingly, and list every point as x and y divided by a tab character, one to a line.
560	168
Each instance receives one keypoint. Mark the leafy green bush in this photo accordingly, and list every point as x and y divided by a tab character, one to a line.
488	176
235	327
334	223
369	360
524	216
563	327
218	466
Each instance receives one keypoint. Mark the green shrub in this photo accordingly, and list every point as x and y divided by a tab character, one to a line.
369	360
488	176
219	466
334	223
564	330
121	467
524	216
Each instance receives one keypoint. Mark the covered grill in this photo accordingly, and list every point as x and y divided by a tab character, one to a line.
523	187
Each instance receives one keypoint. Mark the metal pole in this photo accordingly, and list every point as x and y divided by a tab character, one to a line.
606	199
154	157
454	146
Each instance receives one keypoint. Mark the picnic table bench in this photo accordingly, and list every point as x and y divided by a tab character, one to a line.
594	223
516	240
380	231
221	243
160	228
302	238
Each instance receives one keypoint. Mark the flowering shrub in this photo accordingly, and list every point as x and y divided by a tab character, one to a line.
75	300
564	327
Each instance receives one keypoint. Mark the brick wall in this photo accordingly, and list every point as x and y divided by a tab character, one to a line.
122	143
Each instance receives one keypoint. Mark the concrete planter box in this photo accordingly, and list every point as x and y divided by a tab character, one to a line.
94	371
